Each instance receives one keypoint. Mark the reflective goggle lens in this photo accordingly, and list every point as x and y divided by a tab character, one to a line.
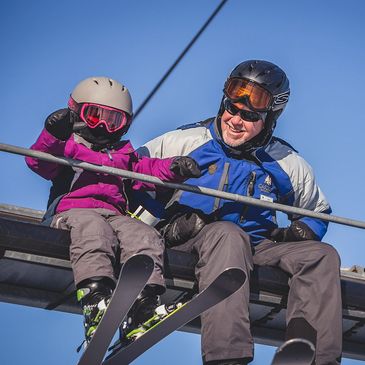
93	115
257	96
244	114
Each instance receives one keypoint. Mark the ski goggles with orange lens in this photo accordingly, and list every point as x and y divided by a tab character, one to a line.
95	114
257	97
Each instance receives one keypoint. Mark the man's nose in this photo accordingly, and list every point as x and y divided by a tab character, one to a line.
236	119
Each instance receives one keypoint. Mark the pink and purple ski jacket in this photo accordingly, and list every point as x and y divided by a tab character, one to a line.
92	189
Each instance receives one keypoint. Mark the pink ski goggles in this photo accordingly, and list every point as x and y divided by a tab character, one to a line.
95	114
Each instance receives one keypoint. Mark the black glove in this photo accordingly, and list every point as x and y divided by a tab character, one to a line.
60	124
297	231
184	226
185	166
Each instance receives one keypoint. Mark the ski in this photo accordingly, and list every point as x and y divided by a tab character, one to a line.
226	283
132	279
296	351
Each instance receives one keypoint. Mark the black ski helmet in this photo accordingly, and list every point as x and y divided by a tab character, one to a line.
271	78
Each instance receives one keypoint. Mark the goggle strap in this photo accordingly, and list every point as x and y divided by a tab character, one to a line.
74	106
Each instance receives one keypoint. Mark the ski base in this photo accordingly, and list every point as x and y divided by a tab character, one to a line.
132	279
296	351
229	281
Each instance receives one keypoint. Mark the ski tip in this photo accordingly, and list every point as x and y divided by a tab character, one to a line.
299	343
236	273
295	351
232	278
140	259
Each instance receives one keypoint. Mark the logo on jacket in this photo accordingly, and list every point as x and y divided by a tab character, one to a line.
267	185
212	169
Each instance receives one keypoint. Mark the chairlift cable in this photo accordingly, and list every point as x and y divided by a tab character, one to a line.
183	53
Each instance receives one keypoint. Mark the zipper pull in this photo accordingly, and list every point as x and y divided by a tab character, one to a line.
250	188
108	153
251	183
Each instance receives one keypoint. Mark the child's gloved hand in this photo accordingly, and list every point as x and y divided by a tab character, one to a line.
186	167
60	124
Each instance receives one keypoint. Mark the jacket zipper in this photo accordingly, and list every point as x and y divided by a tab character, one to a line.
223	184
250	191
107	151
123	210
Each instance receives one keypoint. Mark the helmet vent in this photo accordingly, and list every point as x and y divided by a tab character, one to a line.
110	82
96	82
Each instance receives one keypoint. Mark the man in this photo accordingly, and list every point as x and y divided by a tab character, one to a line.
238	154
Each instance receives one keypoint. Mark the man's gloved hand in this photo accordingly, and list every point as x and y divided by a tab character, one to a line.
185	166
60	124
297	231
184	226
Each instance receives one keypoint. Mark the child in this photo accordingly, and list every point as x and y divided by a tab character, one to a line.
93	206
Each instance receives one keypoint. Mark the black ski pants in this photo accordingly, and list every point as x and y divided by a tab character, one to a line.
314	295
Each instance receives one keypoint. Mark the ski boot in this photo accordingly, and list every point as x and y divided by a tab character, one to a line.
144	317
136	324
94	295
157	316
142	310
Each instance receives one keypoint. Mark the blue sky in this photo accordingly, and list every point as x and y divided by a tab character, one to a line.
49	46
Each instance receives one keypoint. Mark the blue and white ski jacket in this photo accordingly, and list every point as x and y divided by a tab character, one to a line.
278	174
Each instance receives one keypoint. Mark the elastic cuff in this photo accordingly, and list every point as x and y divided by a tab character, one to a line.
244	352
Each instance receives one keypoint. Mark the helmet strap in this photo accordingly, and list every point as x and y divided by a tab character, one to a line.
100	138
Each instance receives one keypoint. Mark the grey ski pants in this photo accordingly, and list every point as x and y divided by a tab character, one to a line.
100	239
315	293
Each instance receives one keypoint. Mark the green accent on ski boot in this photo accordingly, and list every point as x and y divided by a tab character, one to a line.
92	318
135	332
91	331
144	327
168	315
81	293
99	315
151	323
86	311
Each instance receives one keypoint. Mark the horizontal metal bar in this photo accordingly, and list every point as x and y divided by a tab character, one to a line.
37	259
187	187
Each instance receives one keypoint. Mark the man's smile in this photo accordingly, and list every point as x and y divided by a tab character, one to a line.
235	129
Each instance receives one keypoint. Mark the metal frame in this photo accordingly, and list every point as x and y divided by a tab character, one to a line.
35	271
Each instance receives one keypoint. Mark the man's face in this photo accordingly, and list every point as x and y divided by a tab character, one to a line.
235	130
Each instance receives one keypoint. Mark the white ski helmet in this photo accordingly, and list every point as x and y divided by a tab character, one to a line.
105	91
